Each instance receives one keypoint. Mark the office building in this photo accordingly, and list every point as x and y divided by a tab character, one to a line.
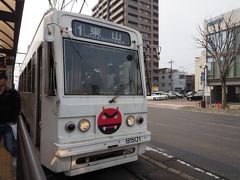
213	73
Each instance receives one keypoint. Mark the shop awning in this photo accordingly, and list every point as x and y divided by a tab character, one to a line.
10	22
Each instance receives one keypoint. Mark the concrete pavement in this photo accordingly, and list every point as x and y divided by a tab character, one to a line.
183	104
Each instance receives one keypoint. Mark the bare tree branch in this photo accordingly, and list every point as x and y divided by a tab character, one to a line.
221	40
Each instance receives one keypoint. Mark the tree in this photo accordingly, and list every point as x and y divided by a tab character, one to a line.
221	40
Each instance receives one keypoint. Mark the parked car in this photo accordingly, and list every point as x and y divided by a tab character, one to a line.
171	95
154	97
195	96
178	95
189	93
162	95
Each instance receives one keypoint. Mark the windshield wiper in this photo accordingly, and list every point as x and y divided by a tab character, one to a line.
119	88
113	100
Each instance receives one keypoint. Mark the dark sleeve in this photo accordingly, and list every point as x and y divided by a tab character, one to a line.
16	104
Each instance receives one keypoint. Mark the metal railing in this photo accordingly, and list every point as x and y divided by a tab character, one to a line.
28	164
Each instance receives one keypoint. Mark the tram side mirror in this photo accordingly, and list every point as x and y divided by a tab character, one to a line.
48	33
129	57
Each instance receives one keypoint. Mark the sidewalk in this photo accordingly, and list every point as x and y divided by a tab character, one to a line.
234	111
183	104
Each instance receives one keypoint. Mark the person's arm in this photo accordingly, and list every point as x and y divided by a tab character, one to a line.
16	105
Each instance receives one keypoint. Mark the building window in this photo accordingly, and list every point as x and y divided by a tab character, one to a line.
155	22
210	67
145	19
155	14
146	35
155	8
155	35
132	15
181	76
131	23
155	28
163	77
169	76
145	27
237	89
237	66
132	8
163	85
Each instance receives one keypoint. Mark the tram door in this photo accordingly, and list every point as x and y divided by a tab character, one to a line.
39	94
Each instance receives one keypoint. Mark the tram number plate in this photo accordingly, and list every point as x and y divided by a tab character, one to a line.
133	140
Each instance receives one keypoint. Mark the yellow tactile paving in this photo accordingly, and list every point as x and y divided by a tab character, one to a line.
5	164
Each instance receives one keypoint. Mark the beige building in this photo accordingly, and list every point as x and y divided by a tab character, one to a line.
141	15
200	63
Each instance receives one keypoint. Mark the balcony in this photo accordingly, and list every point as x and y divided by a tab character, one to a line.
120	10
114	5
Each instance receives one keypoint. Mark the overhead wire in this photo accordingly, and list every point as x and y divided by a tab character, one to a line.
72	5
82	6
63	2
67	4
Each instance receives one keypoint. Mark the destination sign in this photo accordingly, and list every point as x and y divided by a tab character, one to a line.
92	31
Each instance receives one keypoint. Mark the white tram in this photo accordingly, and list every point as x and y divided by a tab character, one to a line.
83	93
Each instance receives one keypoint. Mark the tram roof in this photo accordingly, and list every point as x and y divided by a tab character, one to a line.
10	22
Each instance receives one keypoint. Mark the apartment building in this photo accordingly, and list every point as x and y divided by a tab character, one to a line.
171	80
141	15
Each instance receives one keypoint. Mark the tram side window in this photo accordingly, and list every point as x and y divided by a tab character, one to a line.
20	84
29	76
51	72
24	80
33	74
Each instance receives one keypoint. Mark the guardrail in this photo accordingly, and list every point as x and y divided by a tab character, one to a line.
28	164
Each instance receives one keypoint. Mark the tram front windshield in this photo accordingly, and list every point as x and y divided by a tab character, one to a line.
93	69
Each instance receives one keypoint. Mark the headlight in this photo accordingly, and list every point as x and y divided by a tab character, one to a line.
84	125
70	126
140	120
130	121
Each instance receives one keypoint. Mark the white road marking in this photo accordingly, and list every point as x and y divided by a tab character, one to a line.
158	151
162	152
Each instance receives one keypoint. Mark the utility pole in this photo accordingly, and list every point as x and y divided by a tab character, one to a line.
171	62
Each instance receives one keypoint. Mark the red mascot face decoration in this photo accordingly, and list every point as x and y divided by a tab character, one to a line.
109	120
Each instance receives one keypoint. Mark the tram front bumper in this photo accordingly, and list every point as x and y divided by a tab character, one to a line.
81	157
73	149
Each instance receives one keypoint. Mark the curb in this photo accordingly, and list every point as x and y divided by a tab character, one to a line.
232	112
171	170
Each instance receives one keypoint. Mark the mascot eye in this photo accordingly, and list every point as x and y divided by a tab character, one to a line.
116	116
103	117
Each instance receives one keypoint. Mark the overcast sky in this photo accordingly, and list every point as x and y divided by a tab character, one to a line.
178	22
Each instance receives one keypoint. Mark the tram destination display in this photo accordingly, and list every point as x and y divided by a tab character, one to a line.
92	31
